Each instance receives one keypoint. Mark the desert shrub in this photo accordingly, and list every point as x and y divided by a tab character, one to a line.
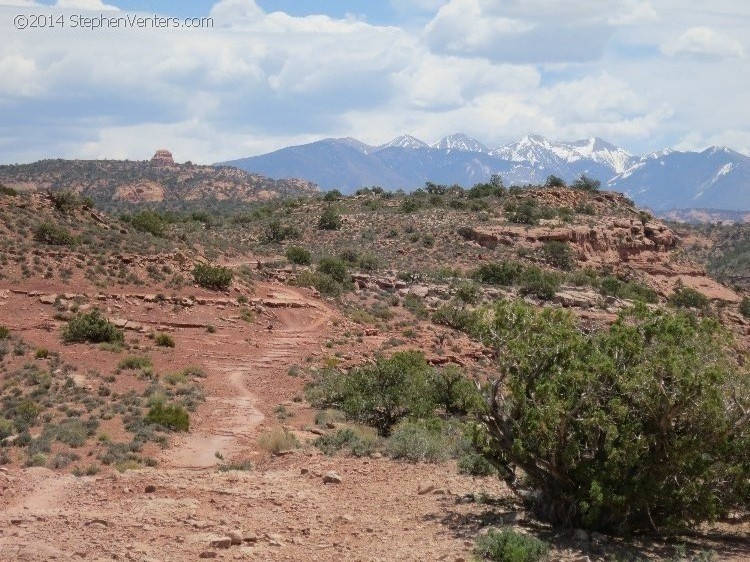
8	191
558	254
745	307
333	195
212	276
6	428
298	255
36	459
507	545
277	232
474	464
468	292
41	353
382	394
554	181
414	304
642	425
687	297
171	416
148	221
419	440
322	282
337	269
54	235
354	441
505	273
410	205
163	340
539	283
72	432
278	439
66	201
4	333
632	290
522	213
134	362
453	391
243	465
586	183
329	220
492	188
91	327
456	317
368	262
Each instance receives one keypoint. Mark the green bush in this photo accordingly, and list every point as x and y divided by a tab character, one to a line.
329	220
493	188
382	394
357	442
333	195
49	233
134	362
554	181
277	232
522	213
505	273
163	340
586	183
641	425
9	191
66	201
468	292
337	269
456	317
410	205
91	327
419	441
745	307
172	416
539	283
632	290
148	221
558	254
298	255
322	282
212	276
278	439
474	464
455	393
506	545
687	297
4	333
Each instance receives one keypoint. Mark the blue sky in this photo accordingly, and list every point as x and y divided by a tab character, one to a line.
643	74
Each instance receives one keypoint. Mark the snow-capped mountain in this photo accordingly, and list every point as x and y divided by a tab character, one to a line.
460	142
716	178
405	141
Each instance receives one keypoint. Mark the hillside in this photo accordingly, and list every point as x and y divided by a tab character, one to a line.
716	178
193	385
113	183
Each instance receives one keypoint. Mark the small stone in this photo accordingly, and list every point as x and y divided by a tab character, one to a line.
150	489
235	536
207	554
304	470
224	542
331	477
330	425
598	537
250	537
425	488
580	535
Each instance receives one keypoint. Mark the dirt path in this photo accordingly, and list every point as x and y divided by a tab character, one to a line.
231	412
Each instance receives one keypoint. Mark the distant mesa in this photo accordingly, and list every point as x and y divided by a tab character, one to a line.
162	157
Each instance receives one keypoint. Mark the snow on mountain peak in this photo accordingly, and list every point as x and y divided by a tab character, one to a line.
405	141
461	142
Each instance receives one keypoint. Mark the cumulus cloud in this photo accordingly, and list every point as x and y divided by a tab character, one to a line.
704	41
259	81
85	5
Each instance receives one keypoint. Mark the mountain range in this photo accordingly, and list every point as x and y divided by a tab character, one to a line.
716	178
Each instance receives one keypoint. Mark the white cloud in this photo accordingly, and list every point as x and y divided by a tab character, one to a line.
85	5
638	12
703	41
233	12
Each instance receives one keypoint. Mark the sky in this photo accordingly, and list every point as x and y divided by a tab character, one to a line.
642	74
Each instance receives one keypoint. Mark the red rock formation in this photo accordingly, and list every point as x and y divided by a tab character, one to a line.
162	157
